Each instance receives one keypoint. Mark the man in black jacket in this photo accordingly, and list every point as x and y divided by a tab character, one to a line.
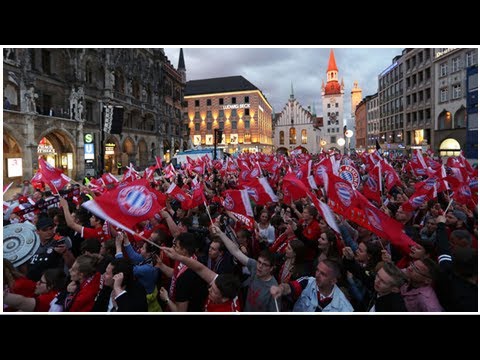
119	291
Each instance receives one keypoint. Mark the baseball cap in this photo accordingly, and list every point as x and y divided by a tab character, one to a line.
44	222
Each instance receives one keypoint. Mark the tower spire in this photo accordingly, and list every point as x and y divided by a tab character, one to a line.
292	96
181	66
332	65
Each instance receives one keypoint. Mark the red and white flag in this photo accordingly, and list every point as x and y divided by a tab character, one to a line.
53	177
238	201
126	206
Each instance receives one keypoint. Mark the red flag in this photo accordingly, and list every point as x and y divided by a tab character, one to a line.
238	201
126	206
53	177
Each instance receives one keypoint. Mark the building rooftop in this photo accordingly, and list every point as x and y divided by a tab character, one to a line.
218	85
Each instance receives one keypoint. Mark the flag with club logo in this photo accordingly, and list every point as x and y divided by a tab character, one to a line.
53	177
237	201
126	206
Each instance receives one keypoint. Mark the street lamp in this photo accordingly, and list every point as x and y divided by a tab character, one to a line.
341	142
348	134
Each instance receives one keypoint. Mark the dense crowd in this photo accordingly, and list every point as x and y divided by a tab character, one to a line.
301	238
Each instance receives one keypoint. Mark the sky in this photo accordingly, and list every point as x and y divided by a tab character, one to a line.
273	70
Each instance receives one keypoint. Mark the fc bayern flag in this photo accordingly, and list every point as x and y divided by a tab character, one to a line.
125	207
53	177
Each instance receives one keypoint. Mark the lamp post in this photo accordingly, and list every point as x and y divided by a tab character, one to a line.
341	142
348	134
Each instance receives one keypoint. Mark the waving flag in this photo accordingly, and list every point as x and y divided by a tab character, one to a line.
53	177
238	201
125	207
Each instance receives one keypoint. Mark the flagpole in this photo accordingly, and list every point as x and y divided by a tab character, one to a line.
208	211
450	203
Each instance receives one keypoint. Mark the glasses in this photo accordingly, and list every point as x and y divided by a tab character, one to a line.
263	264
418	271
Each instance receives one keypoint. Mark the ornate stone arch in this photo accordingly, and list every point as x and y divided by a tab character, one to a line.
460	119
128	150
142	153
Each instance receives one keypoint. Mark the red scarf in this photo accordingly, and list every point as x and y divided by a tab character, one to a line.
178	270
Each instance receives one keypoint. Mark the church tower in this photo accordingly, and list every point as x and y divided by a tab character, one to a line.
332	101
356	96
181	67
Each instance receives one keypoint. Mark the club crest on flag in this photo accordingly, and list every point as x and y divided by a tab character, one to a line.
372	184
299	174
244	174
429	184
228	203
57	182
321	170
345	193
135	200
421	171
252	192
349	174
465	191
180	197
373	219
275	167
255	172
418	200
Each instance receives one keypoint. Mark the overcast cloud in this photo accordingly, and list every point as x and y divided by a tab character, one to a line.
272	69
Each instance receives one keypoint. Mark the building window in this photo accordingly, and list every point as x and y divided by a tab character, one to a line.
336	105
328	106
333	139
248	138
209	102
209	114
197	103
247	112
443	69
89	112
293	135
304	136
282	138
209	126
328	130
456	91
221	114
460	118
473	121
197	126
473	82
247	124
443	95
234	125
445	120
234	100
220	101
247	99
233	113
456	64
221	125
197	114
471	58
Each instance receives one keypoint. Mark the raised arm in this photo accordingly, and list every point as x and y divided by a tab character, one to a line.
19	302
68	217
204	272
230	245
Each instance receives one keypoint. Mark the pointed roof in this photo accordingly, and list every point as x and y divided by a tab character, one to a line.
291	91
332	65
181	61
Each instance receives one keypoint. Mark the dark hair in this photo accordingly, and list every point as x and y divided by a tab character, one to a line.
187	242
125	266
267	255
228	284
91	245
55	279
465	262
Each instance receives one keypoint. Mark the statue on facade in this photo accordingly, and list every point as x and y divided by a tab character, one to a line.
73	103
30	97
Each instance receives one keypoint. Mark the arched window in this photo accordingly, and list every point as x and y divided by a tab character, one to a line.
293	136
460	118
444	120
304	136
282	138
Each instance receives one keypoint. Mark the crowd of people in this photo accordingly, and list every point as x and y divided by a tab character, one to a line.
290	256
